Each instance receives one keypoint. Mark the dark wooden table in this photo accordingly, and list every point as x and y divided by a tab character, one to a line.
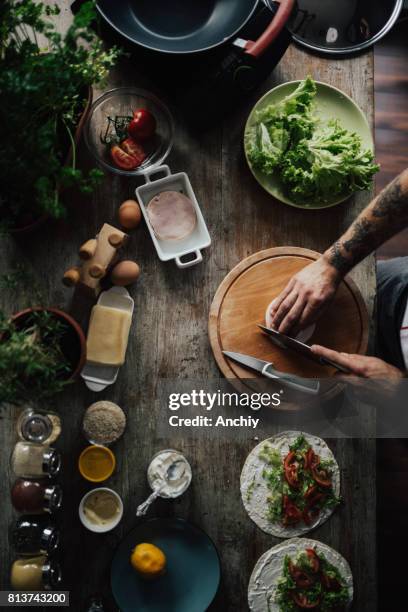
169	340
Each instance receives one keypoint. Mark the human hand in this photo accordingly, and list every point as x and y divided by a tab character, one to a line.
305	297
360	365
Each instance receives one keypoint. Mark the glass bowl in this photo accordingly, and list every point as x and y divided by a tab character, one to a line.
121	102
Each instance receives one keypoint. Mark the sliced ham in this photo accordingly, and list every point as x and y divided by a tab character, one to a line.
303	336
171	215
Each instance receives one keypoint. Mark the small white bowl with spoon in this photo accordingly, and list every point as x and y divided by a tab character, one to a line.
169	475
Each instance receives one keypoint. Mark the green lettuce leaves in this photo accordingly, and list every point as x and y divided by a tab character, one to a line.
316	161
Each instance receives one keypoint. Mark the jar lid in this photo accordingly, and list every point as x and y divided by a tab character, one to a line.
50	538
96	463
52	498
51	573
51	462
35	427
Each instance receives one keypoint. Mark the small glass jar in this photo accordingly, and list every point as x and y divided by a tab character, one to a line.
35	574
95	604
33	535
30	460
36	496
39	426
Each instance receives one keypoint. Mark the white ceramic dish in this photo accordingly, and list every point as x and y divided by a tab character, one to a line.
174	249
98	377
100	528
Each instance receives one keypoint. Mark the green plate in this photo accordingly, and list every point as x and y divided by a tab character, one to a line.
192	575
330	103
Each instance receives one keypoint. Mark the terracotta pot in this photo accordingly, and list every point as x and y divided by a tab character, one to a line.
73	346
34	224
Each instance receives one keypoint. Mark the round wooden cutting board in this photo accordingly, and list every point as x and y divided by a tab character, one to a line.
243	297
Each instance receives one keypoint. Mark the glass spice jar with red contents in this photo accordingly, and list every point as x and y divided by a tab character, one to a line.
36	496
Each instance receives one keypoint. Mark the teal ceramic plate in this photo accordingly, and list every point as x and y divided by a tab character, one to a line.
192	575
330	103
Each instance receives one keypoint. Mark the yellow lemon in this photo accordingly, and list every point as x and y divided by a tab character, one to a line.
148	560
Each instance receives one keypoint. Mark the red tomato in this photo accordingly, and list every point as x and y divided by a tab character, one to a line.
134	149
303	602
303	581
314	559
143	125
291	470
291	513
292	477
311	459
312	508
321	477
310	492
123	160
289	459
330	583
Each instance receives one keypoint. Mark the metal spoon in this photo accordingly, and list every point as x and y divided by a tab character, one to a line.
171	474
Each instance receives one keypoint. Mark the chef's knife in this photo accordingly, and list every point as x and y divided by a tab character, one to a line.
284	342
266	369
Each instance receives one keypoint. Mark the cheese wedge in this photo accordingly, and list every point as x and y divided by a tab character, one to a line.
108	336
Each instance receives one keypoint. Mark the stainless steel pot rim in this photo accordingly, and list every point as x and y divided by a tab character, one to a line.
185	52
359	47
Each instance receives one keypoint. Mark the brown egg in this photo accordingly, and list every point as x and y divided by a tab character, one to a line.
125	273
130	214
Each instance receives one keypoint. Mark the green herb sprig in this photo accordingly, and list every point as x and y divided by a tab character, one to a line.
43	87
32	363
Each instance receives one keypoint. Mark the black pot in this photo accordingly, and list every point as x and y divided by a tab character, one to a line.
342	28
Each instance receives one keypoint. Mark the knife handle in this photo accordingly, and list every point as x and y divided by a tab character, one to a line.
306	385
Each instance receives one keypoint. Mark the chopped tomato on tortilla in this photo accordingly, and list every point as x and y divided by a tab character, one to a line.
321	476
292	477
311	459
330	583
313	559
301	578
291	513
290	467
303	602
313	507
310	492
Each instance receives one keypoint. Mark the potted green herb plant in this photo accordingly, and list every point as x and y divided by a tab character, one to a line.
45	85
41	350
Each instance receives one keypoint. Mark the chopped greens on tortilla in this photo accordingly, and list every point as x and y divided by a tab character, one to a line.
300	484
310	582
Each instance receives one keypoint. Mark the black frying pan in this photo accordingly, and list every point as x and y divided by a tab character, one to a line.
189	26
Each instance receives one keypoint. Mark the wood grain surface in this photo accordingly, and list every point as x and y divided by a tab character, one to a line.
169	339
241	301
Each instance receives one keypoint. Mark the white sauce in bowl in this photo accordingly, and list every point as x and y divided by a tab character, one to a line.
157	471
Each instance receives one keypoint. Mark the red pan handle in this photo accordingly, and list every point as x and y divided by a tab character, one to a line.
257	47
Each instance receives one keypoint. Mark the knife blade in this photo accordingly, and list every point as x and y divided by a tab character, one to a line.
266	369
286	342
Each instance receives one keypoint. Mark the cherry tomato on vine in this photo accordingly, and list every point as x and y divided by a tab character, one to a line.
142	126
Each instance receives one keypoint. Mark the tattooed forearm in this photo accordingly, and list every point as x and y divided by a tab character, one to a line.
337	259
384	216
392	203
